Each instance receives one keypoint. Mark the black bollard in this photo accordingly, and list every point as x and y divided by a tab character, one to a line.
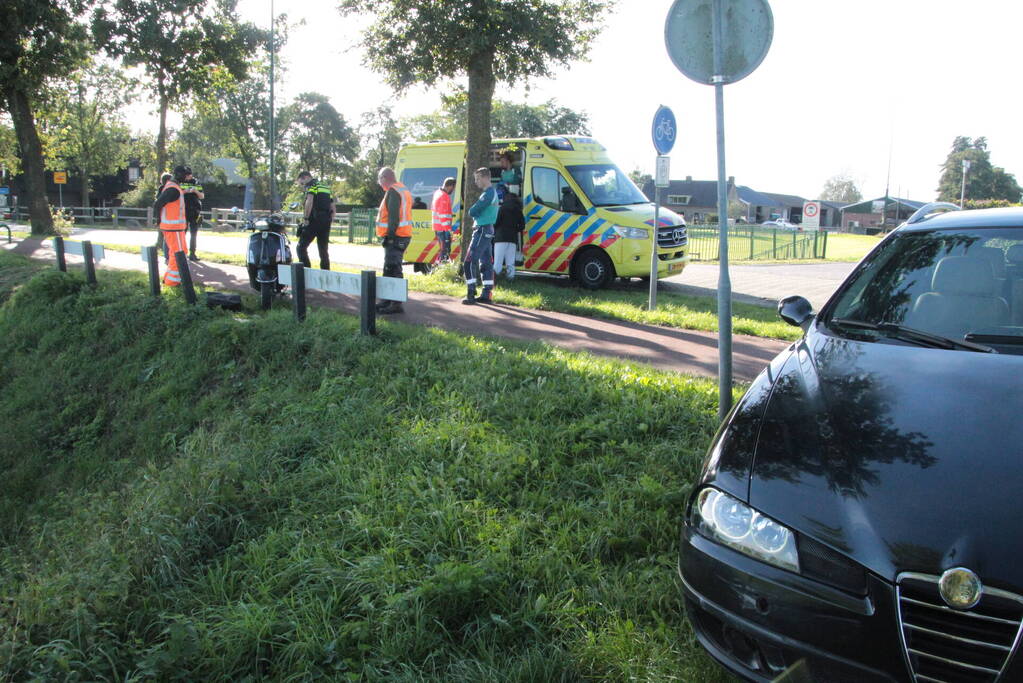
58	246
90	264
298	290
368	302
186	277
154	270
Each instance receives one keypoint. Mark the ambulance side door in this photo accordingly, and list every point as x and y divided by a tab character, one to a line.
555	217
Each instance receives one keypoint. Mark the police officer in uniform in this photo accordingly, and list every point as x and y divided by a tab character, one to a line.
193	206
318	215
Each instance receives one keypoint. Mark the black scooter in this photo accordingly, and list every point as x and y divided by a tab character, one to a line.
268	248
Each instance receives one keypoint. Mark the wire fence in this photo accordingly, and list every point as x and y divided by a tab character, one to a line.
756	243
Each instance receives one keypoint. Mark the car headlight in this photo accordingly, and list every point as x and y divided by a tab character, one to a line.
632	233
731	522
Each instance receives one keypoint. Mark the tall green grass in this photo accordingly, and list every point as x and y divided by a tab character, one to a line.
197	495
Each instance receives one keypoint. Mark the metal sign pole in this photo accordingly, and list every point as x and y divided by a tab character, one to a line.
272	140
652	298
724	281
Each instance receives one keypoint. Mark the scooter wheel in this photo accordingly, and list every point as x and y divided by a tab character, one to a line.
266	294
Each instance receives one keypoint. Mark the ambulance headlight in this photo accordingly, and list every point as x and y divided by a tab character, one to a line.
632	233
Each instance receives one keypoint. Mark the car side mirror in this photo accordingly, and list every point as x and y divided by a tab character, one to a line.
796	311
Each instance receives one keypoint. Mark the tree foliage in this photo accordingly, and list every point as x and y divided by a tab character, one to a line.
421	42
9	150
983	180
38	41
317	138
507	120
841	188
84	125
177	44
380	137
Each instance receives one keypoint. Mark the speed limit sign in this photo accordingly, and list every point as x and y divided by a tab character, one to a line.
811	214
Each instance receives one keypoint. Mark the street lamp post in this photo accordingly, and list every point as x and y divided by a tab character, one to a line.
962	192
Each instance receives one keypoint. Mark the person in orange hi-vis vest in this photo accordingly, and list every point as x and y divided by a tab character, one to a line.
394	224
442	216
170	207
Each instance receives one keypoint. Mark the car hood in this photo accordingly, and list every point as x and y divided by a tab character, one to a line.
635	215
904	458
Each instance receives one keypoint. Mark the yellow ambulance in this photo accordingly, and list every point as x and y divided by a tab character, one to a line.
585	218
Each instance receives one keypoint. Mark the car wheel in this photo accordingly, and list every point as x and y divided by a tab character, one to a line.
593	269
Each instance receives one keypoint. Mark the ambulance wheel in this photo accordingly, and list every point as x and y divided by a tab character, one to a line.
593	269
266	294
423	268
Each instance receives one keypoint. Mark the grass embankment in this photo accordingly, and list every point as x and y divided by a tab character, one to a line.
197	495
619	302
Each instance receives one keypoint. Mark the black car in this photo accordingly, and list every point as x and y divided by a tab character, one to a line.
858	515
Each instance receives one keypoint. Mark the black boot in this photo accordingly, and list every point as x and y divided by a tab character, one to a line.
486	298
470	297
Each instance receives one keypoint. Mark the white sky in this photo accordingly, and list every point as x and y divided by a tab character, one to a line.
842	83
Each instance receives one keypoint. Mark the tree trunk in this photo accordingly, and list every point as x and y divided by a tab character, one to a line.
31	160
477	138
85	186
161	137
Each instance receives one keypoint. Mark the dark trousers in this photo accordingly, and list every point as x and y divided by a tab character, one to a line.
193	228
444	240
394	255
481	257
320	233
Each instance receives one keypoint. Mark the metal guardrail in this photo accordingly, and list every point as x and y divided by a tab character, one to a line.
757	243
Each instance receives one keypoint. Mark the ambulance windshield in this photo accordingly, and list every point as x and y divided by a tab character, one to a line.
606	185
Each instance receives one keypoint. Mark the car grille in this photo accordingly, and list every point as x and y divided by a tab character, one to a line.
671	236
944	645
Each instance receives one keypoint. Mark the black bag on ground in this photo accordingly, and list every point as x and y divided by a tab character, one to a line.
230	302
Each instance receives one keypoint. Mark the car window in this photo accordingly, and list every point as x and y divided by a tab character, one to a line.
606	185
551	189
423	182
955	283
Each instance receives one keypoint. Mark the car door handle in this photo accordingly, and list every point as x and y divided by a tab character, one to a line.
534	218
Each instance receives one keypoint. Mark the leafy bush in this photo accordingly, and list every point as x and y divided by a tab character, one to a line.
63	220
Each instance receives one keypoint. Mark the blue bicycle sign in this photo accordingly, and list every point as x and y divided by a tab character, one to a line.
664	130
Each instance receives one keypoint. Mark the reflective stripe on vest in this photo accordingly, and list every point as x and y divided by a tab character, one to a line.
173	214
404	217
441	211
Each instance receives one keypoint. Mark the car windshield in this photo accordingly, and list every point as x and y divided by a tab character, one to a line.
964	285
606	185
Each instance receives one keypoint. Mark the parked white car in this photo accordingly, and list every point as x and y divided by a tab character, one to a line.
781	223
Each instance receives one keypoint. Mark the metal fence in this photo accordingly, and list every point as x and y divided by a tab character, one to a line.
756	243
358	226
361	226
